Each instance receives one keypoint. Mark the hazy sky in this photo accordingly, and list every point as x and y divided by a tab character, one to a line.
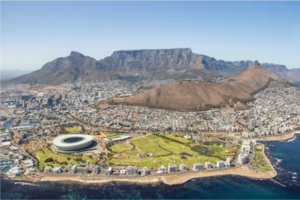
33	33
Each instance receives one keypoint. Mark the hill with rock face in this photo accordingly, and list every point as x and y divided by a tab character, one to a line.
196	96
178	64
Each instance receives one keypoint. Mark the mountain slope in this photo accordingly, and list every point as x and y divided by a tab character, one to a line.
178	64
71	68
190	96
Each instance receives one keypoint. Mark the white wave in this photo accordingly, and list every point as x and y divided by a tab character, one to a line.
24	183
291	140
295	173
294	177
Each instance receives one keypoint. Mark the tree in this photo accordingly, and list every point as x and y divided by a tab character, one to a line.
48	160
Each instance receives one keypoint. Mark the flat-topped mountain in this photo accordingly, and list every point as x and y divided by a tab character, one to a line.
177	64
195	96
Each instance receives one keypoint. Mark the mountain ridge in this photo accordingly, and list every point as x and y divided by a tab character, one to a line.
178	64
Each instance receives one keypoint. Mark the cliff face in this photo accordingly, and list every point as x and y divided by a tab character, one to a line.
142	64
189	96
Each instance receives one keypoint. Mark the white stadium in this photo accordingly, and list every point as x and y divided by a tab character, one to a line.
72	142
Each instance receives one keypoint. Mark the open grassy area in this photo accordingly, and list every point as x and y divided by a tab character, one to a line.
121	147
131	153
179	139
146	145
259	162
61	159
164	160
73	129
167	151
218	150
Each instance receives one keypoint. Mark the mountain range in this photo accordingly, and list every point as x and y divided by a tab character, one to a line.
178	64
197	96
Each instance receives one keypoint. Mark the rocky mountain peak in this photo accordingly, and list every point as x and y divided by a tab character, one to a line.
76	54
255	65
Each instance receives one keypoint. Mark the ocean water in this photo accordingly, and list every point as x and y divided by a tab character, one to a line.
284	155
298	83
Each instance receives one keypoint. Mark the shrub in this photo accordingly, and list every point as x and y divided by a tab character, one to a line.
48	160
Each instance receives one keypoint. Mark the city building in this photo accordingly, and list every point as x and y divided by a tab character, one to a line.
132	171
97	169
198	166
145	171
208	165
182	167
172	168
220	164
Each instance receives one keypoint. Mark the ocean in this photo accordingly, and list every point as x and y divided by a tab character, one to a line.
298	83
284	156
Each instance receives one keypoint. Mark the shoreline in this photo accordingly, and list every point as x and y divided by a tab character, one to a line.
275	138
171	179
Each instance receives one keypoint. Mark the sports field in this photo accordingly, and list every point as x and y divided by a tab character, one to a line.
168	149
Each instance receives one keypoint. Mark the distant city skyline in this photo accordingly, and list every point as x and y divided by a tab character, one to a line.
34	33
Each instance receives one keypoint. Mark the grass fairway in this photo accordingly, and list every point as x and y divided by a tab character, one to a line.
166	150
147	145
179	139
121	147
164	160
73	129
260	162
60	160
218	150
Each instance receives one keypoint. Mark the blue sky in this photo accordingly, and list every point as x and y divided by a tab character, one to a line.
33	33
